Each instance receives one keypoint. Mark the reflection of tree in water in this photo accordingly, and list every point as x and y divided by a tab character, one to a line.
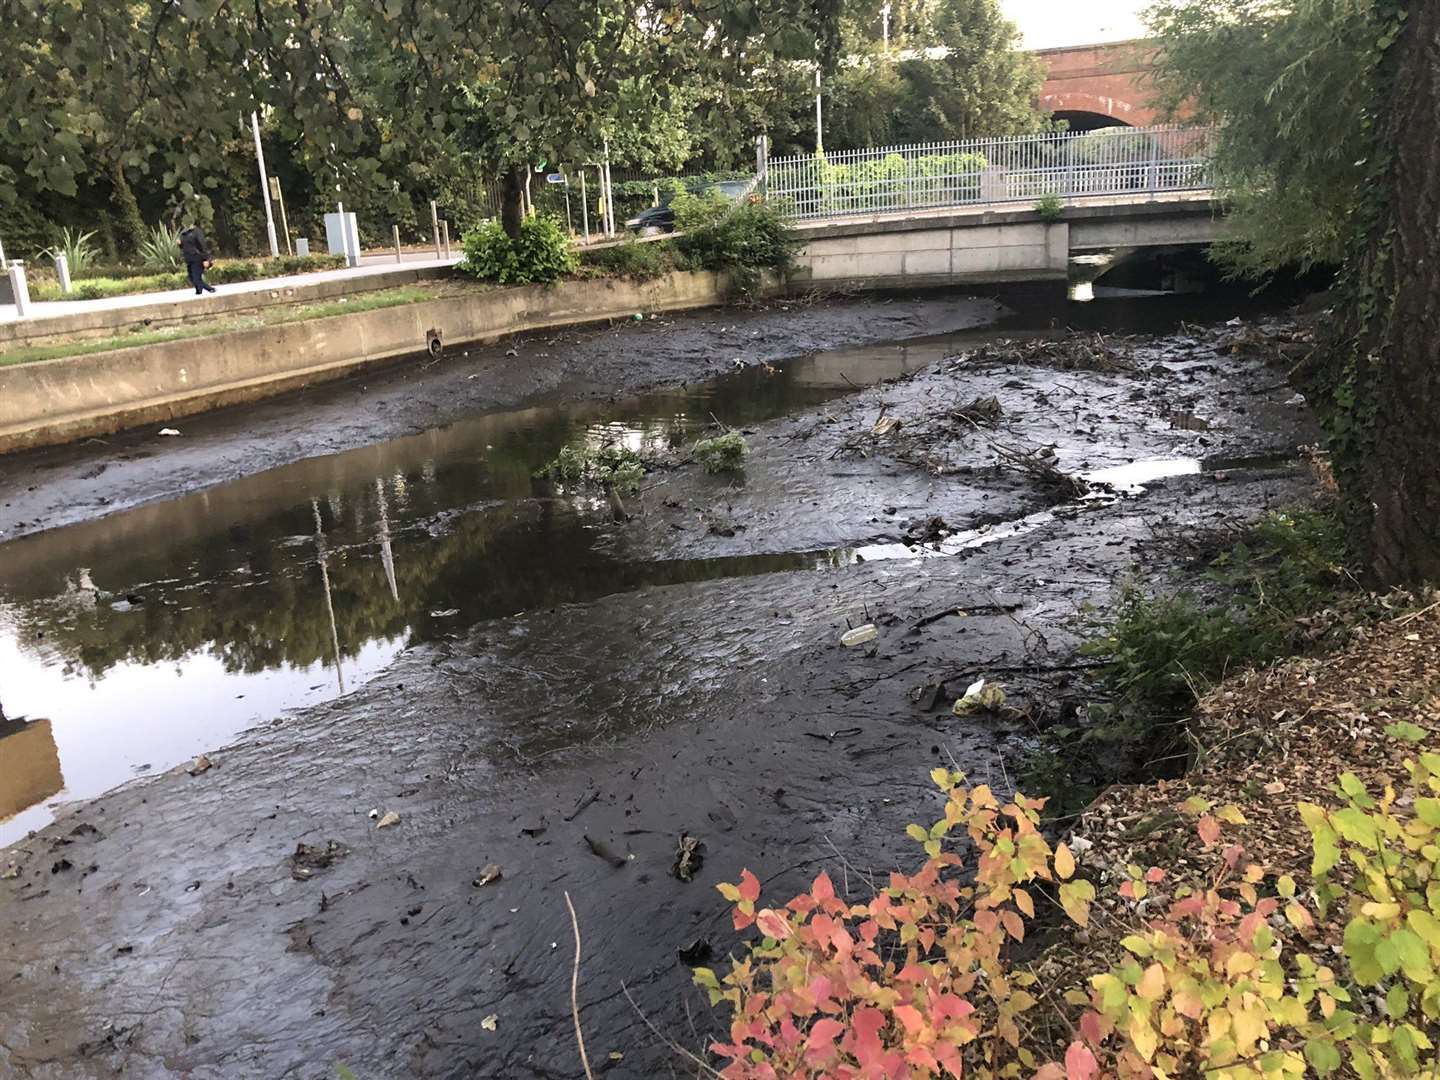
251	594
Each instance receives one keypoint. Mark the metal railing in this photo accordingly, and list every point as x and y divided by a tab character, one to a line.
1017	168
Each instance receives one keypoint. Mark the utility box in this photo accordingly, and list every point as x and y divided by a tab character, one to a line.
302	247
338	229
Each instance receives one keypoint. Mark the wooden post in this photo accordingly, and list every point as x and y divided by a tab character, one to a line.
435	225
445	235
395	234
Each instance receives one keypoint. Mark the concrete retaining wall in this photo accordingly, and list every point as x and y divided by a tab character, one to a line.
56	401
949	255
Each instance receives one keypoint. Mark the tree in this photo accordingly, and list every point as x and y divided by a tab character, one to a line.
956	73
1328	152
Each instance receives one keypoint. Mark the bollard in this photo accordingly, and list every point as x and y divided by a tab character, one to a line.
62	271
435	224
445	235
3	264
20	288
395	233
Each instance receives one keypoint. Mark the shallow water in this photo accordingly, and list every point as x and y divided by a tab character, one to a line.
135	641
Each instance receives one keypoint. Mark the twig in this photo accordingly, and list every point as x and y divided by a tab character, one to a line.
1402	621
704	1067
575	991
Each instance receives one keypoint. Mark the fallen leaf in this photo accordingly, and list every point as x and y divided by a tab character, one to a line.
201	764
491	873
490	1022
390	818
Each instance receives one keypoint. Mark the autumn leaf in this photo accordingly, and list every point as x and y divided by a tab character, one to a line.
772	924
749	886
1064	862
1080	1063
1209	830
1075	897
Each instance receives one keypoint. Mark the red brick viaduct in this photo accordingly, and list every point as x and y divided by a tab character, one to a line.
1099	85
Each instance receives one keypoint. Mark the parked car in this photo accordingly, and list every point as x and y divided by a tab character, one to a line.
661	218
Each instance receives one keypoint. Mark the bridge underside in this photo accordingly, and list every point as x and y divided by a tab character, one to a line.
976	245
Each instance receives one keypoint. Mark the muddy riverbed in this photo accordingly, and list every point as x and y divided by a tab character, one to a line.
544	682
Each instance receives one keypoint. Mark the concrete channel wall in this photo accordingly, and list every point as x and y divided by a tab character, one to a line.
56	401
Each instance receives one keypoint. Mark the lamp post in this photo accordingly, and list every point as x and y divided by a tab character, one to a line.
264	186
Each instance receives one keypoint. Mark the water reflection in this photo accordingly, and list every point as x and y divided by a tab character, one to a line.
151	635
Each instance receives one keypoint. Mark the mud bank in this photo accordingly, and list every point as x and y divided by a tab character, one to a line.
570	736
48	488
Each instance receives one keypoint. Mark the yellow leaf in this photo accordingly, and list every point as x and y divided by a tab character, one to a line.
1144	1037
1249	1028
1152	984
1239	963
1230	814
1380	911
1064	862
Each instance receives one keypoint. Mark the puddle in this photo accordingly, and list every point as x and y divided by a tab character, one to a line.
133	642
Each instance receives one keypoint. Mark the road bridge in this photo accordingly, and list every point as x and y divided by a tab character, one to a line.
1020	208
976	245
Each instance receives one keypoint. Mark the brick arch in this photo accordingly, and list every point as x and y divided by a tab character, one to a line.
1108	80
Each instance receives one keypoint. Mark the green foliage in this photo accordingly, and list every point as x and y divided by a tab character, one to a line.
740	241
77	247
1294	86
542	253
895	181
722	453
228	273
1164	651
633	259
1257	599
160	249
616	467
1050	207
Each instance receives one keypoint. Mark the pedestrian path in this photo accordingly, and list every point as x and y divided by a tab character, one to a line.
370	266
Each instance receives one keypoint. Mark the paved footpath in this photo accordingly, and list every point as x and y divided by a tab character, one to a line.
369	266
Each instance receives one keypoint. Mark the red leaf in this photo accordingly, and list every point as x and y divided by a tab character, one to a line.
865	1028
823	1034
1092	1027
749	886
1049	1072
1154	874
1209	830
1080	1063
910	1017
742	920
823	889
773	924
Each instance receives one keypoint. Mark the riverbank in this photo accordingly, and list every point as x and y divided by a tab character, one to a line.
572	688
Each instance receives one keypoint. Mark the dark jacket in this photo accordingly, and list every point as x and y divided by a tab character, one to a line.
193	245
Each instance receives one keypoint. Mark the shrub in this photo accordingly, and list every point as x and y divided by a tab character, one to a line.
302	264
77	248
228	273
919	980
616	467
160	250
542	253
632	259
741	241
723	453
1050	207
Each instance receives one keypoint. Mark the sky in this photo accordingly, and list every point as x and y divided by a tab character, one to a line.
1048	24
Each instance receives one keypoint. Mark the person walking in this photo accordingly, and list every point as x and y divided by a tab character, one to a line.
195	249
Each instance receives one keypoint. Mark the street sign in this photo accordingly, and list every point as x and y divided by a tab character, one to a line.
555	178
